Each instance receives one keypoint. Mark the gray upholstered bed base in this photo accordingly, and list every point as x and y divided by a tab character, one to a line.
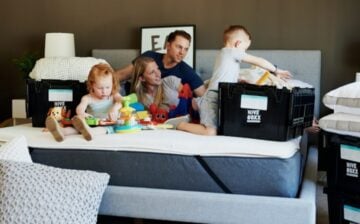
202	207
305	65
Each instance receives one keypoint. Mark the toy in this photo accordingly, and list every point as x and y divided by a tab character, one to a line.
133	102
127	122
61	114
147	124
131	98
141	115
263	78
158	115
184	105
92	121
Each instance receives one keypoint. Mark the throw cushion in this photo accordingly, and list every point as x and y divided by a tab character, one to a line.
341	123
64	68
344	99
35	193
15	149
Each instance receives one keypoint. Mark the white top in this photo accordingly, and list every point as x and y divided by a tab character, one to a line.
171	92
100	108
227	67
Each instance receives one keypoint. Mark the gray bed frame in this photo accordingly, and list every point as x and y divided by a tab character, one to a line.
204	207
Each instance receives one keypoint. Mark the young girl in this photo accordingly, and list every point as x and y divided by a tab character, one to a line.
103	101
150	88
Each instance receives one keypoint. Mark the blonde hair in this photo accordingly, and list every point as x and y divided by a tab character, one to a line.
139	86
102	70
231	30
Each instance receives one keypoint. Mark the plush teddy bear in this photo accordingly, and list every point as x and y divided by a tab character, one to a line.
61	114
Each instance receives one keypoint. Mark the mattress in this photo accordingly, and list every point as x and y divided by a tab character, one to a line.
169	159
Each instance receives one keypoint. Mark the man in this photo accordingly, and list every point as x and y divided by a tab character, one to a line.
171	63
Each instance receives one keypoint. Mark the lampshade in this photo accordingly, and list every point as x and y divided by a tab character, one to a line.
59	45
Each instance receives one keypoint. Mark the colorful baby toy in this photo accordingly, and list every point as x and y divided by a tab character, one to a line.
127	122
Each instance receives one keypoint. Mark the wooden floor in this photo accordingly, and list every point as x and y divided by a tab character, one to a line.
322	213
14	121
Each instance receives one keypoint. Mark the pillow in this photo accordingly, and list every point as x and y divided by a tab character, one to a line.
35	193
64	68
344	99
15	149
341	123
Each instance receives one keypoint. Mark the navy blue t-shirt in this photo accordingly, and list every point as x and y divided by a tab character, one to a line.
181	70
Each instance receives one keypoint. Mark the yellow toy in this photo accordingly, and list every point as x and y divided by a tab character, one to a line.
127	121
263	78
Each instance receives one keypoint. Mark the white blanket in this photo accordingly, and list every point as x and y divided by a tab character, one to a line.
64	68
160	141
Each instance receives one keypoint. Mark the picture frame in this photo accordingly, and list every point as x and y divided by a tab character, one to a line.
154	39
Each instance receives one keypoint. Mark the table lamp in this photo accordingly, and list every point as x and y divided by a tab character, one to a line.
59	45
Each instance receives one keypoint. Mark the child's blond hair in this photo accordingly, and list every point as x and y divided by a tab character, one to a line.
102	70
231	31
138	86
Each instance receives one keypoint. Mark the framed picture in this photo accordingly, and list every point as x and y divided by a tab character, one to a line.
154	39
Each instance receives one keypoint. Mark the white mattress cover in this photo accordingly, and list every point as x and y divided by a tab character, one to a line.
160	141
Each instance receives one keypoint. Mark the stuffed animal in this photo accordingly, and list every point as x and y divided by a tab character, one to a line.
158	115
184	105
58	112
61	114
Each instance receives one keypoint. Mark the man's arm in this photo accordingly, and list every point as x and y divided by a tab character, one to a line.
124	73
200	90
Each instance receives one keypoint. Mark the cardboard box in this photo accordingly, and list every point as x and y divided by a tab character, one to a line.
264	112
45	94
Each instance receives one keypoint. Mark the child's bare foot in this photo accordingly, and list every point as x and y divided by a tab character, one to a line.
53	126
82	127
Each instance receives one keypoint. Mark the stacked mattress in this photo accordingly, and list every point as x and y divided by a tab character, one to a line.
170	159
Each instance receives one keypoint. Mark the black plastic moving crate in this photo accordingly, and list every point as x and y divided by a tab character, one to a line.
343	161
343	207
45	94
264	112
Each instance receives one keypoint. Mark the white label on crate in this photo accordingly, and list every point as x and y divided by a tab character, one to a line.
350	152
352	170
352	213
254	102
65	95
253	116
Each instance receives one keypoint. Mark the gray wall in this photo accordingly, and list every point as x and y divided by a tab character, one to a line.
331	26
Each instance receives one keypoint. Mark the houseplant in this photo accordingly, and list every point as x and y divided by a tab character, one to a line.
26	63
